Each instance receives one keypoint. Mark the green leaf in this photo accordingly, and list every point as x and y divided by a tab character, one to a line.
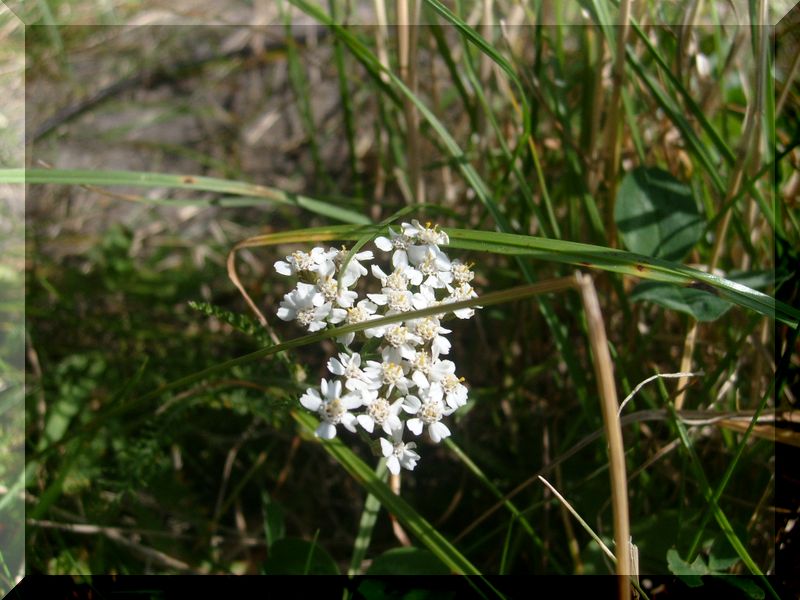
690	574
657	215
293	556
407	561
745	584
238	321
274	525
702	305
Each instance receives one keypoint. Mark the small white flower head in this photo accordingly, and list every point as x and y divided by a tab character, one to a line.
462	272
391	372
428	234
299	262
396	242
455	391
400	338
399	279
428	411
329	291
435	370
433	264
397	453
363	311
429	330
332	408
301	305
463	291
349	366
396	301
380	412
354	269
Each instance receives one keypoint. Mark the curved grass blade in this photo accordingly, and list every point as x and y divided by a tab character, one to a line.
411	519
574	253
186	182
516	293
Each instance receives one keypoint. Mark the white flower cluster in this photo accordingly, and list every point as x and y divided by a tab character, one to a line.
408	385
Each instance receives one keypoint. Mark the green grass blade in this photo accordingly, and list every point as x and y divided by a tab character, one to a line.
708	494
411	519
574	253
369	516
184	182
518	515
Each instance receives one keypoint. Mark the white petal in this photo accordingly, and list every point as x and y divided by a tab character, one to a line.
311	400
349	422
438	431
351	401
399	259
326	431
420	380
335	366
383	243
380	299
286	314
415	425
386	447
411	404
283	268
366	422
393	465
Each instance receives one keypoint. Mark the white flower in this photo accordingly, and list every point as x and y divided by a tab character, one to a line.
332	407
397	453
427	234
433	264
428	412
430	330
455	391
441	375
463	291
400	338
328	291
354	268
380	412
399	243
363	311
299	262
396	301
390	372
300	304
399	279
349	365
461	272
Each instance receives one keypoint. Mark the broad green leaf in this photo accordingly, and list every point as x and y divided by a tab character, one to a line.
690	574
291	556
702	305
407	561
656	214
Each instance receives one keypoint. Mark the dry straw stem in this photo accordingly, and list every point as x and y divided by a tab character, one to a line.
613	125
749	137
604	371
407	30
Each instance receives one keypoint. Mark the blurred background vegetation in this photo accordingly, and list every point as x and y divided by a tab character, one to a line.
126	287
